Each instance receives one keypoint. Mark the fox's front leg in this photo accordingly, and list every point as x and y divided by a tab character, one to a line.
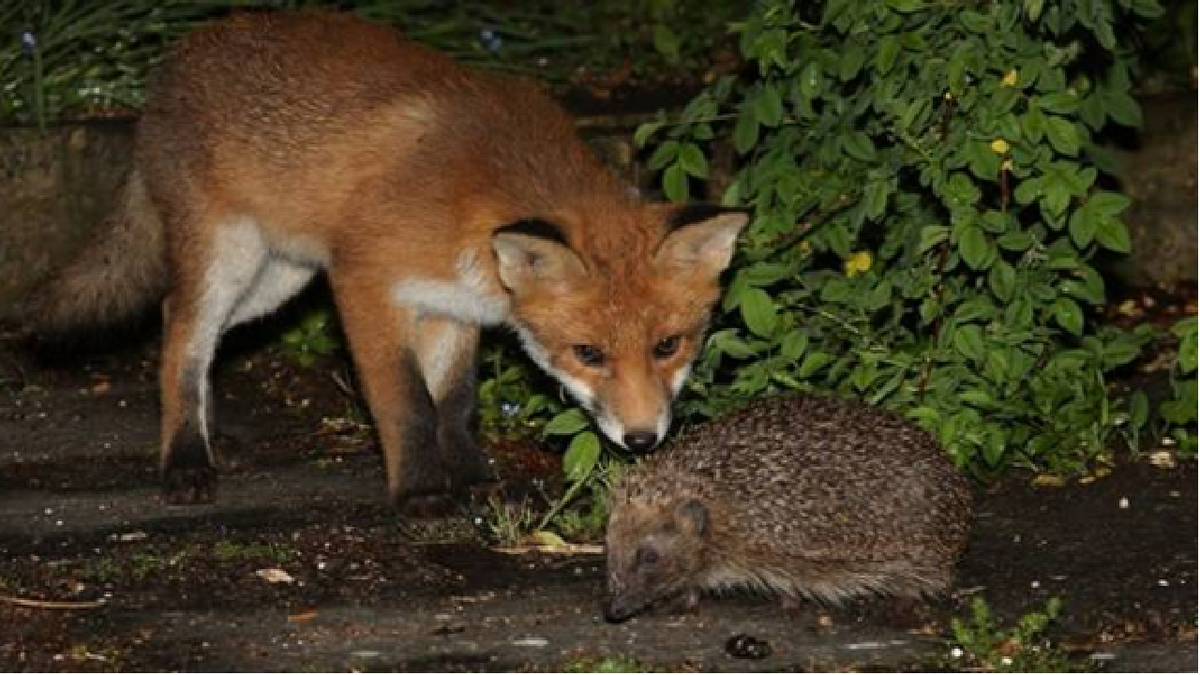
381	334
446	351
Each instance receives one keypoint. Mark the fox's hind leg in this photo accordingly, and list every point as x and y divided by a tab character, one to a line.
211	278
446	350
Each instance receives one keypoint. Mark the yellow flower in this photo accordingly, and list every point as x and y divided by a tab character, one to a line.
1000	146
857	263
1010	78
804	247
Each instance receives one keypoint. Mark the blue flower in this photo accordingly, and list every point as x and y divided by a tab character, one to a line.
491	40
28	42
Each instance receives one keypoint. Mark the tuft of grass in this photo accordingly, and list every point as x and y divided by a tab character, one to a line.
230	551
981	643
508	523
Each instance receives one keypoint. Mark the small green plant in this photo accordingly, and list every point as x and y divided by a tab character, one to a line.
1179	413
981	643
314	335
607	664
510	524
510	405
102	570
230	551
145	564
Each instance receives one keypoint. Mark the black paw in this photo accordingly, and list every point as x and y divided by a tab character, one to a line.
468	465
428	506
189	485
188	473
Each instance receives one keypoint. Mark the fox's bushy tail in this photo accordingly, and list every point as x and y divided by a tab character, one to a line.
112	280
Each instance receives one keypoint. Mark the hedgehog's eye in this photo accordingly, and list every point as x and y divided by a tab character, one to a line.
589	356
647	557
666	347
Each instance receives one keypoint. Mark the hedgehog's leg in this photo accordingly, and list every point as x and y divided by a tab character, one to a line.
687	602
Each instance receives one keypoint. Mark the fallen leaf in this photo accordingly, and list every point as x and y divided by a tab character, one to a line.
302	617
274	575
1048	480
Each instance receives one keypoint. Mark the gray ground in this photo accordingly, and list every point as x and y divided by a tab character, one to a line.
81	520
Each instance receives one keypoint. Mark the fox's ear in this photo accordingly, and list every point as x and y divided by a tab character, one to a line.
701	238
532	252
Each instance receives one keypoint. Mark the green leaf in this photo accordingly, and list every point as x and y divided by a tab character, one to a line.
812	80
1139	410
758	312
581	456
852	61
567	422
812	363
793	345
675	183
745	132
1063	135
876	198
1061	103
905	6
644	132
932	235
1068	315
693	161
858	145
1082	227
664	155
1112	235
885	56
666	42
769	106
974	246
968	341
1002	279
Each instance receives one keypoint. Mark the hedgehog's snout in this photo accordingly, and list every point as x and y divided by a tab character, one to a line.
618	609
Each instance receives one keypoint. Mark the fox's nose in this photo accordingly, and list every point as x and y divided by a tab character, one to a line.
640	441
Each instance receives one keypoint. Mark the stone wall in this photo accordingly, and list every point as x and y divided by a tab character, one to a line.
54	188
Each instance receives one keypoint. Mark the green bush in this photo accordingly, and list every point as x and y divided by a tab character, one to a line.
930	190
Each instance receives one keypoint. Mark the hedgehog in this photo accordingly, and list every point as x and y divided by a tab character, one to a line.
805	497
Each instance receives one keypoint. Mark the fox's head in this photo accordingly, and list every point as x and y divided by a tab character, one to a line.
619	317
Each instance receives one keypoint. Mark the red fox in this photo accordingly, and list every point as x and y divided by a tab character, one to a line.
436	199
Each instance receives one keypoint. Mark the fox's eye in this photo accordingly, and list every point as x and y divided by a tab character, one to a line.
589	355
667	347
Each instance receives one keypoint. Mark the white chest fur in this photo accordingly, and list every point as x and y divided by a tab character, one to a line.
472	296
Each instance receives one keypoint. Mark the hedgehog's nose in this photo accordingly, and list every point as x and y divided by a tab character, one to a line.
640	441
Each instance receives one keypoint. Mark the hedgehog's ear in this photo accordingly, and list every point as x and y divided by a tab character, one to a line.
692	517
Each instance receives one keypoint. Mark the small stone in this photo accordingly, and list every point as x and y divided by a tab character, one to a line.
743	646
538	642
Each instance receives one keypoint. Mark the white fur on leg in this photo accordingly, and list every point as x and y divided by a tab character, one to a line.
238	257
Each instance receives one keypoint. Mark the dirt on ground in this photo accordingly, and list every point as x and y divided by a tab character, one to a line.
300	565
